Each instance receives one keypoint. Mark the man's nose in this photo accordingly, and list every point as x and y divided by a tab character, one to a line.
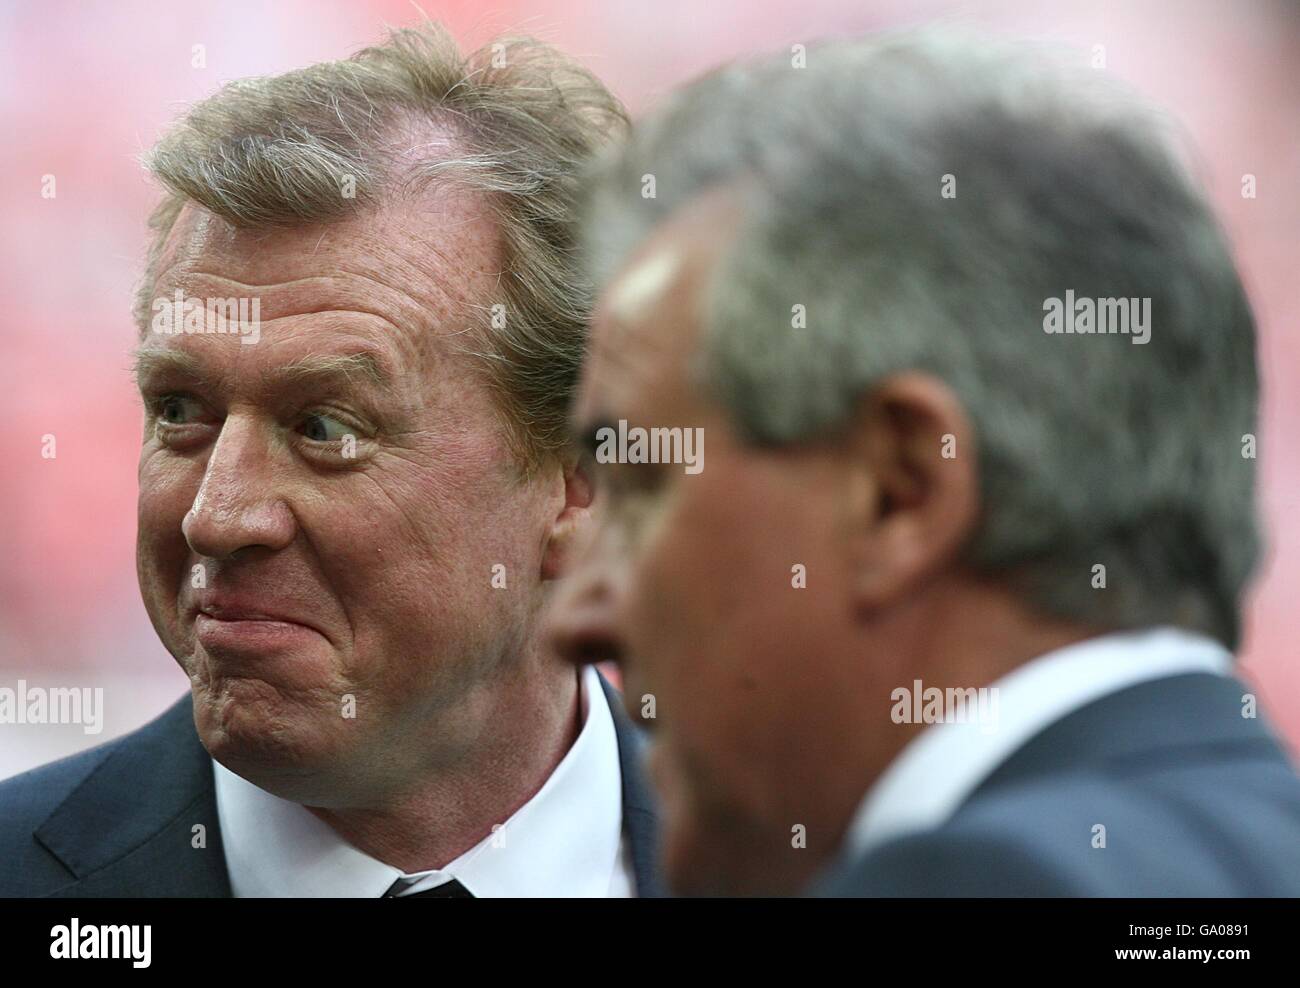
237	505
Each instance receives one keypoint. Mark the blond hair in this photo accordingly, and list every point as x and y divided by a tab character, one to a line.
523	118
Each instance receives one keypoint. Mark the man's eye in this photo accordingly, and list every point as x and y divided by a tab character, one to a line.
179	409
324	428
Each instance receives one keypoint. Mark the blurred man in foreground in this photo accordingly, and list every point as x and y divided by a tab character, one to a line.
359	330
944	604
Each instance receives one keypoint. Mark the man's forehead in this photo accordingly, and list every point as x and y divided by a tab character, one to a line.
673	265
641	324
422	260
649	320
642	285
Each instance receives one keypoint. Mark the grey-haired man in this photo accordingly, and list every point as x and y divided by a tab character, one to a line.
949	608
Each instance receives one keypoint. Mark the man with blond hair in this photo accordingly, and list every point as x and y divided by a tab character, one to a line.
360	325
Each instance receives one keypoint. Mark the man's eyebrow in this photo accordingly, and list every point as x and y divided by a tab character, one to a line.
152	360
365	364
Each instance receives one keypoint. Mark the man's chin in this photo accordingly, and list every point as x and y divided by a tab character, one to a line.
278	741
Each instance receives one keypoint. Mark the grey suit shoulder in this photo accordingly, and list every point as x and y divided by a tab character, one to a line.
1195	801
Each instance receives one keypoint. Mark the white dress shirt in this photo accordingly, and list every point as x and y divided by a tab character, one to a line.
567	841
946	762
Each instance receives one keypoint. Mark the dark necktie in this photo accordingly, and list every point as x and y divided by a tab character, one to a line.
447	890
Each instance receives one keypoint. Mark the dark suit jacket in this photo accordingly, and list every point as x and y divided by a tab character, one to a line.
118	820
1196	801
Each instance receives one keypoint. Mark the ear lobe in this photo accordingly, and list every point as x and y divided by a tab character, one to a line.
571	522
917	500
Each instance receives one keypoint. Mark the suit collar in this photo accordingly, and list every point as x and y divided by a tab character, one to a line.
1181	720
129	828
1171	718
564	840
640	815
155	787
970	735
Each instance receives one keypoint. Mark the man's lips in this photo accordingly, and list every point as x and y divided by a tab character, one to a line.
225	622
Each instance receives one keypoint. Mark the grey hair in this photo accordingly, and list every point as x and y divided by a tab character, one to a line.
521	121
1091	450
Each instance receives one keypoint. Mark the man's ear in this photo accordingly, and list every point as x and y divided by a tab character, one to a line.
571	523
914	484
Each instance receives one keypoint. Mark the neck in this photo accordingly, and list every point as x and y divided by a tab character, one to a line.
432	822
963	635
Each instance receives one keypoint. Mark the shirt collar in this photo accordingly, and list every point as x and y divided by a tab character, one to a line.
565	841
944	764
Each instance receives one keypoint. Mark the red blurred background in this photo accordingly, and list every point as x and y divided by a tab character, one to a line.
88	87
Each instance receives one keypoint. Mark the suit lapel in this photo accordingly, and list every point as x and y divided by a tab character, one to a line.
1194	715
129	828
640	817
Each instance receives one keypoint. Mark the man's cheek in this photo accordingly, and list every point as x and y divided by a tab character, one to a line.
167	492
665	772
639	699
161	549
160	539
695	827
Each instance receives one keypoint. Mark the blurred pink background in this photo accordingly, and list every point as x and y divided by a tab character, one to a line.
87	87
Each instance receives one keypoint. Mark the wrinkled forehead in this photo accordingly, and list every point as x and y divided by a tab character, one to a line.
650	319
425	264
